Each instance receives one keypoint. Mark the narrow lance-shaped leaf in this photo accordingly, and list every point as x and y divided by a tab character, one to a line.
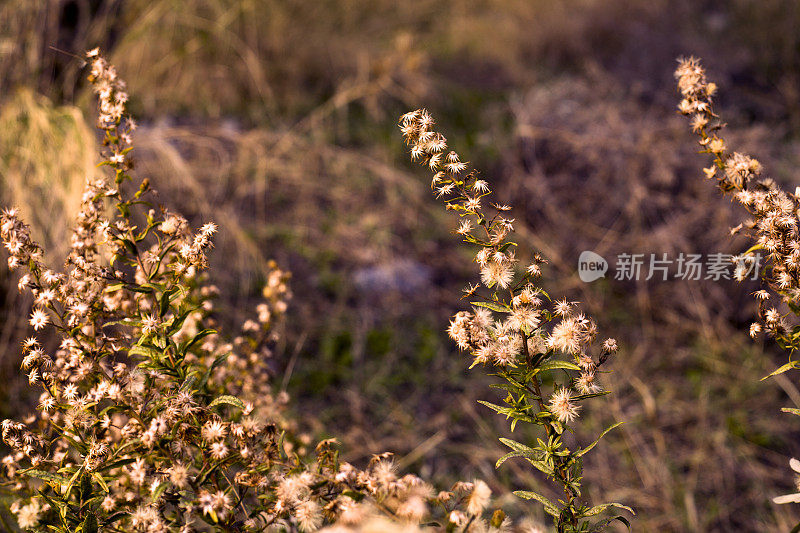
494	306
601	526
506	457
549	507
516	446
597	509
785	368
592	445
228	400
556	365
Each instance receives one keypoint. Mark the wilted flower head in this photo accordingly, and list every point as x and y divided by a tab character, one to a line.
562	405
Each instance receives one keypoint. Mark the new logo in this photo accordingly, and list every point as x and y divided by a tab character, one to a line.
591	266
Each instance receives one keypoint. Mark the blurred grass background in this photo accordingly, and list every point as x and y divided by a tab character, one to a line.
276	119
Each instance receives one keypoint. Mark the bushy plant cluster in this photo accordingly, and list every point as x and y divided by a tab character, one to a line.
150	419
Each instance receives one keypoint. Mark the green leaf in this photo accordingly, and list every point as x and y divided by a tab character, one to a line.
186	345
353	495
46	476
145	351
228	400
508	387
785	368
506	457
580	453
52	503
72	481
549	507
190	380
114	287
597	509
80	446
502	410
516	446
153	287
555	365
541	466
100	481
137	288
160	490
117	464
494	306
753	248
217	361
281	449
600	527
124	322
166	298
591	395
177	321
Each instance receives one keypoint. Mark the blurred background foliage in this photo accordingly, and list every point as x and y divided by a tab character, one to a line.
276	119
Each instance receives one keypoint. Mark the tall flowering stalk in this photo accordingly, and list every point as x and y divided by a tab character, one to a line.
774	226
520	333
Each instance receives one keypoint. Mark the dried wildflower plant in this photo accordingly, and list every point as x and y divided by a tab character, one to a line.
773	226
140	423
151	420
518	331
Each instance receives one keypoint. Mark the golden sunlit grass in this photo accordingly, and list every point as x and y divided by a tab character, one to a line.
48	153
